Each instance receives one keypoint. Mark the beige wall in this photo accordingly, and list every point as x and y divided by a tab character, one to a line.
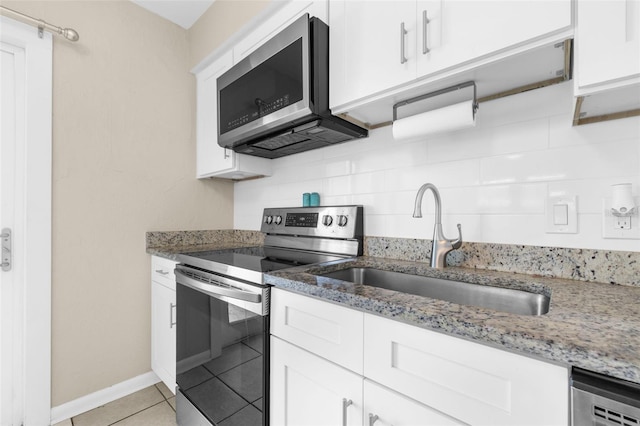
220	22
123	164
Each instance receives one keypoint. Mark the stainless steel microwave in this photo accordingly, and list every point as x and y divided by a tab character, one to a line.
275	102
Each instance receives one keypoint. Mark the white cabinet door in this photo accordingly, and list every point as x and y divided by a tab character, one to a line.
307	390
163	333
459	31
383	407
211	157
366	47
370	53
607	41
474	383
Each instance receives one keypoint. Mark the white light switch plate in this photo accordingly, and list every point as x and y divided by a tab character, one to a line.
616	227
562	215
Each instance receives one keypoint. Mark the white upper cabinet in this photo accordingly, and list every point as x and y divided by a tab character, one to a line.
212	160
366	47
276	23
607	41
452	32
211	157
607	71
383	45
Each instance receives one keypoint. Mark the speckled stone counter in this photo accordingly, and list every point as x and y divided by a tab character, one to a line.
590	325
168	244
604	266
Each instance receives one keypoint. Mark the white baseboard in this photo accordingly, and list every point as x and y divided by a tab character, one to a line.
102	397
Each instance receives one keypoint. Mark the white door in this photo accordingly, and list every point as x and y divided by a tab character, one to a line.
10	303
25	208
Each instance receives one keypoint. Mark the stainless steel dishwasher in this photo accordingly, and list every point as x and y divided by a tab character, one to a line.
599	400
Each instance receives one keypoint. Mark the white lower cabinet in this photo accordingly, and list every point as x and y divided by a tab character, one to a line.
474	383
163	320
410	376
384	407
309	390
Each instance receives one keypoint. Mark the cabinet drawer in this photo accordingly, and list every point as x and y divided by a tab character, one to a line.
471	382
325	329
393	409
162	271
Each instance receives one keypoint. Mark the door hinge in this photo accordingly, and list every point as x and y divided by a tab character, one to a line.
6	249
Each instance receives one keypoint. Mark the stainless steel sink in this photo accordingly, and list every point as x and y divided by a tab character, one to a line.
501	299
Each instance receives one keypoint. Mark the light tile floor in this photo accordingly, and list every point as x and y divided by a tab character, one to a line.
154	405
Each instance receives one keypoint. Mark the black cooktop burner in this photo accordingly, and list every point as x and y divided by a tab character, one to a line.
261	259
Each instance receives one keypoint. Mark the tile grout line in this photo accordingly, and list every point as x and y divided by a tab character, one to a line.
165	398
138	412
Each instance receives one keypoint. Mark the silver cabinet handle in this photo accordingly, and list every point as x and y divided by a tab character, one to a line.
162	272
6	249
225	154
403	32
345	403
372	419
172	306
425	23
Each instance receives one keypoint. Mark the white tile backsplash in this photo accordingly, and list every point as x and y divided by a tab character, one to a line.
494	179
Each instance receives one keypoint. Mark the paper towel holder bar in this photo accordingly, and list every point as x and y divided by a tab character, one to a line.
438	93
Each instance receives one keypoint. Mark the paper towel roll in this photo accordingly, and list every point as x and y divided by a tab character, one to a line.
452	117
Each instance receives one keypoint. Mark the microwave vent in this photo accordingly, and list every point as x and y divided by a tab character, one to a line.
281	141
317	134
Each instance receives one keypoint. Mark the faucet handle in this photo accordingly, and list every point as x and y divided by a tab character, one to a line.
457	243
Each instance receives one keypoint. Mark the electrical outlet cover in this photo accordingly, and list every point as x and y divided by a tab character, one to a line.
618	227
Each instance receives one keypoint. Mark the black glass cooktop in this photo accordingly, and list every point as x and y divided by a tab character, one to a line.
260	259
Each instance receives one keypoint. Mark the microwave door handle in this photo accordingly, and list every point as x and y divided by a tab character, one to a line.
216	290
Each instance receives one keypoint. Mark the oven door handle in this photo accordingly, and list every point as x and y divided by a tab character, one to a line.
216	290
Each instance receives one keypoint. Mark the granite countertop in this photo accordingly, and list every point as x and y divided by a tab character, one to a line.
590	325
171	252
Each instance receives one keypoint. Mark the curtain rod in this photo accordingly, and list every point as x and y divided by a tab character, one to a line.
68	33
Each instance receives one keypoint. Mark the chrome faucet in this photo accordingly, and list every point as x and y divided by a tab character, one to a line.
441	245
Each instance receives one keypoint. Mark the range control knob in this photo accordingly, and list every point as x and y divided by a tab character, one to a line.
268	220
277	220
342	220
327	220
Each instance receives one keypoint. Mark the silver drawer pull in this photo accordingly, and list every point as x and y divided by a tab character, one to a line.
162	272
172	307
345	403
373	418
403	32
425	23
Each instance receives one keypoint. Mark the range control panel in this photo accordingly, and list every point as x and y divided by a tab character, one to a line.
327	221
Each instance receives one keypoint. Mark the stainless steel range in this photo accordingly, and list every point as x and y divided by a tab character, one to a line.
223	311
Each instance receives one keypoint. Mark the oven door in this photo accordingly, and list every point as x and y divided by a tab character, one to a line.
222	350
